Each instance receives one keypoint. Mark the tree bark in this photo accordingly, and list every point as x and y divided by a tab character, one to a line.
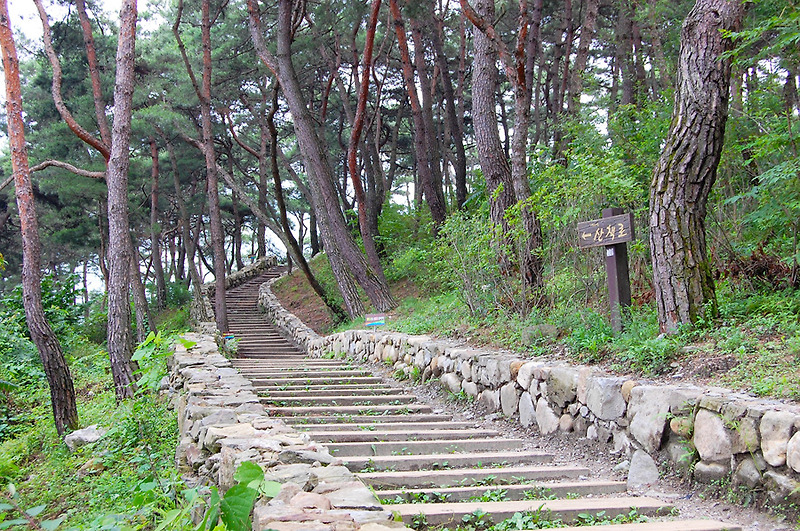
687	169
422	155
62	392
155	231
119	249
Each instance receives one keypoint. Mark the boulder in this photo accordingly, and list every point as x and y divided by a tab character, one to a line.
89	435
604	397
562	385
711	438
525	375
546	417
776	430
509	399
705	472
470	388
793	452
643	472
527	411
451	382
490	399
747	474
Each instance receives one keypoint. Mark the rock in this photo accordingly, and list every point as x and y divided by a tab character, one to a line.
514	368
562	385
92	466
643	471
527	411
680	454
712	440
782	489
776	429
648	408
302	475
747	474
622	443
509	399
466	369
681	426
490	399
705	472
565	423
451	382
470	388
310	500
290	457
88	435
525	375
626	389
793	452
604	398
543	331
745	436
591	432
350	495
287	492
545	417
623	467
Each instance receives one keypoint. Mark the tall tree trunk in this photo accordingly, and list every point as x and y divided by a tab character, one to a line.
119	328
155	231
451	115
355	142
687	169
347	261
421	137
62	392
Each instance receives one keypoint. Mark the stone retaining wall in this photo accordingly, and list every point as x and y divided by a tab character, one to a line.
712	434
222	424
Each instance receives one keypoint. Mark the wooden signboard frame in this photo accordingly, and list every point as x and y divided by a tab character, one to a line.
613	232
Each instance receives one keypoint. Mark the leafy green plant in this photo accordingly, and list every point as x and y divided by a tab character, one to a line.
27	517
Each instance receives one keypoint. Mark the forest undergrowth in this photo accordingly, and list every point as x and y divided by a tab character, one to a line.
126	480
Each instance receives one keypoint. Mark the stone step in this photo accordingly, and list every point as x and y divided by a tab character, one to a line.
441	514
322	391
369	435
441	424
531	491
333	388
443	462
671	525
312	381
459	477
346	410
351	420
341	400
440	447
262	374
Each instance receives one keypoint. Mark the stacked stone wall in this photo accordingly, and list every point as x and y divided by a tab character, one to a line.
711	434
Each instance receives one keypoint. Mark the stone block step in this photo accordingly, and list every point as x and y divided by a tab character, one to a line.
531	491
343	400
460	477
440	424
346	410
322	391
441	462
312	381
264	374
294	390
371	435
444	448
249	365
351	420
440	514
672	525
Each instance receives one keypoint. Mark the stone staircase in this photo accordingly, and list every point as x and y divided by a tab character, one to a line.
427	468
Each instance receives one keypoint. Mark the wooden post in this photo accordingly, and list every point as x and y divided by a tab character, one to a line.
619	284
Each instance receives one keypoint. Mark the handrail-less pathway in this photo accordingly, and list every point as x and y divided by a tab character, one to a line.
434	470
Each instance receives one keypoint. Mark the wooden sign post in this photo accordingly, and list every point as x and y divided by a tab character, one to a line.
612	232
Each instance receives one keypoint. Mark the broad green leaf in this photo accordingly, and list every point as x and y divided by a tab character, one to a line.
236	506
51	525
248	472
5	507
186	343
270	489
36	511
